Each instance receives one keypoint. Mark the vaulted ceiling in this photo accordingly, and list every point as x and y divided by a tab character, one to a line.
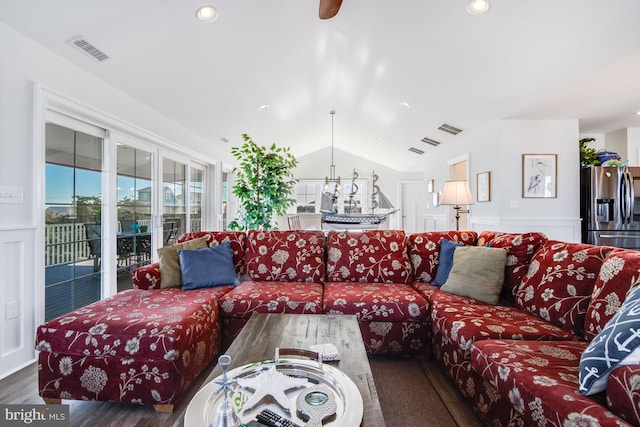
393	71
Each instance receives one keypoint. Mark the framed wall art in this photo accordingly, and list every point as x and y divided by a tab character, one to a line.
539	176
483	186
430	186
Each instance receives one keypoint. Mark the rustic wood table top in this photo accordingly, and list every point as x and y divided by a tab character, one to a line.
265	332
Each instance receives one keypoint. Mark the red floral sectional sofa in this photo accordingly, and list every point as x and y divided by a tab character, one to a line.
517	361
146	345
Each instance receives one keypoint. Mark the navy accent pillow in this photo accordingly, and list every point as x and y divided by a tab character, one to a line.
447	247
207	267
616	345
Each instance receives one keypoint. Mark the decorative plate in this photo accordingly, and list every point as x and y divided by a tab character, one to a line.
349	408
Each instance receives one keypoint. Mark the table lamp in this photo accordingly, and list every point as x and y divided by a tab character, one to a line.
456	192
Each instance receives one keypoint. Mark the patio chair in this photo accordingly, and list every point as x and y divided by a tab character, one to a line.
93	234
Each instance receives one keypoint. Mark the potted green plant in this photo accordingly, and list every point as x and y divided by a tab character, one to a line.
588	155
264	184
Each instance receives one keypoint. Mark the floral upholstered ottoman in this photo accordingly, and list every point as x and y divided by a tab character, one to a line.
140	346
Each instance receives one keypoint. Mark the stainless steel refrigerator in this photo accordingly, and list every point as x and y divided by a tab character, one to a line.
610	206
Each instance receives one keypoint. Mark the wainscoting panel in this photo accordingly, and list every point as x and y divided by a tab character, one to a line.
18	299
567	230
564	229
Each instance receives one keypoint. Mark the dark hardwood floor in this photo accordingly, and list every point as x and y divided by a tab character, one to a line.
412	392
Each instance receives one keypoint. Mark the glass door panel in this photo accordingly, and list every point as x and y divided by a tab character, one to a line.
73	218
134	206
225	199
196	185
174	184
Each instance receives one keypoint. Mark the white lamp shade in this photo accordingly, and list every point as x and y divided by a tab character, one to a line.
456	193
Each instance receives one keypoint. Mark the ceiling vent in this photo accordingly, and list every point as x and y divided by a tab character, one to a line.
449	129
89	49
430	141
415	150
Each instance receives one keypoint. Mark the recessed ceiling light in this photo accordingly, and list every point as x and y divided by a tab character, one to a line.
263	107
405	104
206	14
637	113
478	7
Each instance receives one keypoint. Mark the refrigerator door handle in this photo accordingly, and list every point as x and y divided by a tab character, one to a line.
624	197
632	196
629	194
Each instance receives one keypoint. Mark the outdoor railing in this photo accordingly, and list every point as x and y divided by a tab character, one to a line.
66	243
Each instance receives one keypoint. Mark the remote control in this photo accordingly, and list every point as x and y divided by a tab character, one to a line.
271	419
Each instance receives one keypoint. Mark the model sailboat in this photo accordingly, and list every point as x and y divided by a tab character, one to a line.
353	215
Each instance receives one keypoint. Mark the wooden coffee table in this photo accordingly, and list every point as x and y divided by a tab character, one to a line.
264	333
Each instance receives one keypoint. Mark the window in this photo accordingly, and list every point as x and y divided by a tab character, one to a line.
306	195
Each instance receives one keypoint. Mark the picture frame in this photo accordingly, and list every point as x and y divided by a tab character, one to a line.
483	186
540	176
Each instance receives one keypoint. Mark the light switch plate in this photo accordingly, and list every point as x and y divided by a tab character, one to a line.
10	195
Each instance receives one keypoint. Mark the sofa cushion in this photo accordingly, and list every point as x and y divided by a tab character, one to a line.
235	238
378	256
477	272
520	249
617	344
485	237
390	302
464	320
559	283
424	251
207	267
619	273
135	323
623	393
271	297
170	262
445	261
541	380
290	256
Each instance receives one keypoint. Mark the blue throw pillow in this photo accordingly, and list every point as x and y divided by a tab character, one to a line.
207	267
616	345
447	247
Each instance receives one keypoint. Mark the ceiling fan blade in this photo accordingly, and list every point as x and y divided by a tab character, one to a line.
329	8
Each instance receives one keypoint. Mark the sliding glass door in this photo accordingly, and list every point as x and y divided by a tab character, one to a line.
73	218
110	200
174	200
134	231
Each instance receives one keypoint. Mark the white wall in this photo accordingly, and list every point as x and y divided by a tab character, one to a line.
24	65
617	141
633	146
498	148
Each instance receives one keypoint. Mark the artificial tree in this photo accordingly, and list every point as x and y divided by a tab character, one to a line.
263	185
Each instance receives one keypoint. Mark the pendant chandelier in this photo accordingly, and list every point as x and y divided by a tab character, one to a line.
332	169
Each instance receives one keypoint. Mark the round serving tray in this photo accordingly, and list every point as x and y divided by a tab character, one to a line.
202	408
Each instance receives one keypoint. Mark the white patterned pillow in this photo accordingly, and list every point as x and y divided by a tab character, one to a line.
618	344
